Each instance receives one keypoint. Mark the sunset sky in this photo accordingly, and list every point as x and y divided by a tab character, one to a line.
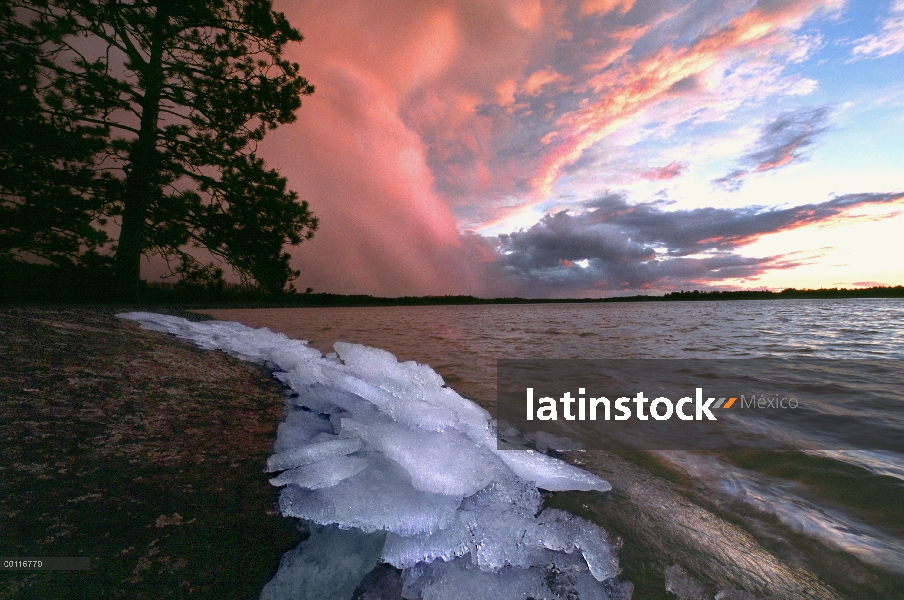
597	147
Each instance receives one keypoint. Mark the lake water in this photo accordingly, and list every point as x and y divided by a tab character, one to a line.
463	343
839	514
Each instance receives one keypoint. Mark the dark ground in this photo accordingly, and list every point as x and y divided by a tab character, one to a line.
136	450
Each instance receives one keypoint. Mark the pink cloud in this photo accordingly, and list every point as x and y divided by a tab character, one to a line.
430	117
541	78
528	14
626	92
589	7
383	229
670	171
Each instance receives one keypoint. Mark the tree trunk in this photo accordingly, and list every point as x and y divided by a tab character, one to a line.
140	183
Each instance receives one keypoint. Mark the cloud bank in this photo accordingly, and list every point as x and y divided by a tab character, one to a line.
433	119
618	246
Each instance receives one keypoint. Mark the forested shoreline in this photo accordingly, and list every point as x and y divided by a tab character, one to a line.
23	283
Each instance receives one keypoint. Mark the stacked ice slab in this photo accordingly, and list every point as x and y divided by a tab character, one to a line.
380	454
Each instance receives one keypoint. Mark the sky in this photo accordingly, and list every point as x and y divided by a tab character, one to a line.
595	148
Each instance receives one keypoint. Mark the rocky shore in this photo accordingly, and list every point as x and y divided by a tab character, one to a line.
136	450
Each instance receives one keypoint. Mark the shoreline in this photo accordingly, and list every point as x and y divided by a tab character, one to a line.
178	299
140	451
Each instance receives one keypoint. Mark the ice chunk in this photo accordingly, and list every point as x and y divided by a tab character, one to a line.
379	377
498	527
379	497
299	428
561	531
459	580
321	398
383	369
323	474
506	493
562	577
494	539
407	551
550	473
406	410
442	463
306	398
258	345
497	539
311	373
289	357
313	404
304	455
329	565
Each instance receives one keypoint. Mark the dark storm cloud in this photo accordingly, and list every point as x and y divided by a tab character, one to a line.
617	245
691	83
781	142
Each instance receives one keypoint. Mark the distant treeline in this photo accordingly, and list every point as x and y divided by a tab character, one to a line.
695	295
23	283
870	292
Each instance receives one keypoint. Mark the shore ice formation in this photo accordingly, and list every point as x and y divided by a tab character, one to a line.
389	466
